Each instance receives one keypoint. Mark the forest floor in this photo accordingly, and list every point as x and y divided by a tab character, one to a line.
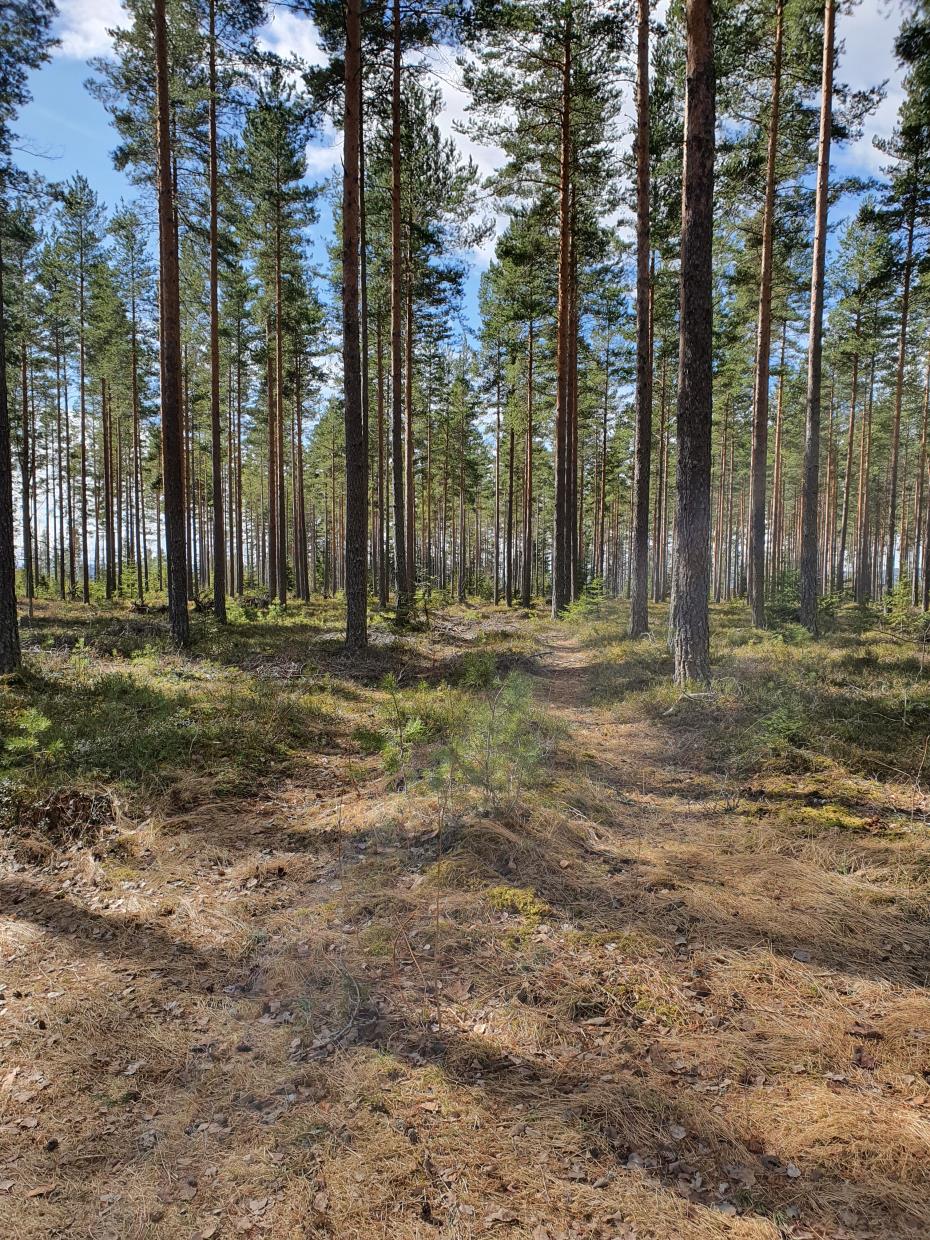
491	933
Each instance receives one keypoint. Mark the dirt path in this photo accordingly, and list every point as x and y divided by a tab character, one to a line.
630	1010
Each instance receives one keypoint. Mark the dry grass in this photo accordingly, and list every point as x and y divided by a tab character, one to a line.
658	999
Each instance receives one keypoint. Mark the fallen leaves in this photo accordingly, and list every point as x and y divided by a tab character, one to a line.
862	1059
42	1190
867	1033
501	1216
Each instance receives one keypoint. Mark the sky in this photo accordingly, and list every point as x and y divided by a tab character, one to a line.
65	130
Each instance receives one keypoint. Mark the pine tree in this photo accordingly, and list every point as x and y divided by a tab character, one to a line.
690	573
811	477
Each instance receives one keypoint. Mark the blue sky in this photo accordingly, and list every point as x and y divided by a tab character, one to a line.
65	130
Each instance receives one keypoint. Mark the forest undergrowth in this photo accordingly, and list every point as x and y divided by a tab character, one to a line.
490	932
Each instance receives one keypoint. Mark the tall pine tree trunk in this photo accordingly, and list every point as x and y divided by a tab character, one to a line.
898	394
920	544
760	417
82	380
847	479
363	306
561	549
527	562
356	564
811	467
172	447
9	626
219	532
639	584
508	557
279	488
382	493
690	575
401	567
497	481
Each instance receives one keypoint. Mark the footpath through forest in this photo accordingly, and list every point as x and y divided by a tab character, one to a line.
633	994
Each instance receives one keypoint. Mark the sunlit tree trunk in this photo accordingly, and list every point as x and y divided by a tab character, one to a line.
639	587
356	561
690	638
219	533
920	543
172	445
811	465
527	561
561	550
760	417
847	480
898	394
401	567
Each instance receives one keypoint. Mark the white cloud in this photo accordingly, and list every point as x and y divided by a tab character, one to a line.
291	34
83	24
488	159
867	59
324	156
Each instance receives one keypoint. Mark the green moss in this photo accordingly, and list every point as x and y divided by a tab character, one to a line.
377	941
521	900
825	818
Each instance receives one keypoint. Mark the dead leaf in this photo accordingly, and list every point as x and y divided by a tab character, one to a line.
41	1190
500	1216
209	1230
742	1175
868	1033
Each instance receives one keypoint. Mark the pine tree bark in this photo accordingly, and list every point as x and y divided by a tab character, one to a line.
26	467
811	467
863	571
561	549
460	578
847	479
898	394
508	557
639	582
690	638
141	582
106	426
760	417
602	475
9	625
401	567
526	586
382	491
363	308
82	381
279	489
920	544
219	530
497	480
356	560
172	447
272	556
